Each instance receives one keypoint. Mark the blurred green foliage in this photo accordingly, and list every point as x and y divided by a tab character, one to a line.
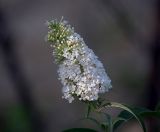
17	120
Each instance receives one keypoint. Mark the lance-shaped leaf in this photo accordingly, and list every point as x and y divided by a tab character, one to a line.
126	116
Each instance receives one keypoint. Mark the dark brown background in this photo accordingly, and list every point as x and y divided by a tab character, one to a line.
124	34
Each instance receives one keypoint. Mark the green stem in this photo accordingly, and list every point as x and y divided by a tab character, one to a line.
110	125
88	110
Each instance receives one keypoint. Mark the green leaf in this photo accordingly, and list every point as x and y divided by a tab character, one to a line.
80	130
128	109
143	112
151	114
118	121
125	116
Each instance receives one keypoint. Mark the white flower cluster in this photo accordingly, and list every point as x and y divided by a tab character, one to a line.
80	71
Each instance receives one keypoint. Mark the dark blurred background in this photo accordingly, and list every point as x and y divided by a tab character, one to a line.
125	34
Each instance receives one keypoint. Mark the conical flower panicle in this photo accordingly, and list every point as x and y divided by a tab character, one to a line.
80	71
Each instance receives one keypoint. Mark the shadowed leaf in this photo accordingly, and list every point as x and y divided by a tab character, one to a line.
80	130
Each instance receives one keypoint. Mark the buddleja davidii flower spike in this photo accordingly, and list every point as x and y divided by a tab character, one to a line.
80	71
